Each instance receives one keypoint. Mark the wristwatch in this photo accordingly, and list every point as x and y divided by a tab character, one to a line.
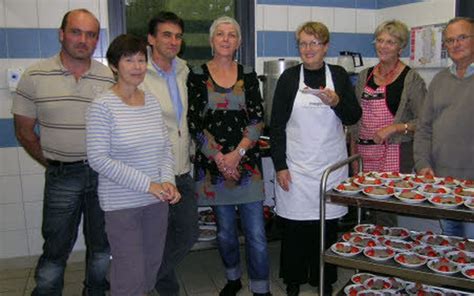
242	151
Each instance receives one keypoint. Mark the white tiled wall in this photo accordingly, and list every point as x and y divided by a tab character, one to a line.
420	13
21	178
21	14
289	17
351	20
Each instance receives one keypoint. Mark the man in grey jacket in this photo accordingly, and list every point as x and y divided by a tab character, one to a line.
166	79
443	139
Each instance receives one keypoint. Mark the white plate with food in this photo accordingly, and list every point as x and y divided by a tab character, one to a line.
377	283
397	283
410	196
469	202
428	252
364	241
379	253
206	216
398	233
369	293
438	241
347	188
464	192
371	229
449	182
207	233
312	91
359	278
365	181
460	258
390	176
466	246
351	290
348	235
416	289
391	292
450	292
398	245
443	265
401	185
418	235
345	249
363	228
432	190
446	201
468	271
410	259
380	192
426	179
467	183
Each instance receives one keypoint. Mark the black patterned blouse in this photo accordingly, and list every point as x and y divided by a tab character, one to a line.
218	118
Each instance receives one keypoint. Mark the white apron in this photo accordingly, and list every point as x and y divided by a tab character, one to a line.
314	140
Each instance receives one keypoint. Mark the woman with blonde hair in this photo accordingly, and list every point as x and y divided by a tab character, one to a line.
391	95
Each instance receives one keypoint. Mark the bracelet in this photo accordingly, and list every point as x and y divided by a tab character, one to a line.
406	129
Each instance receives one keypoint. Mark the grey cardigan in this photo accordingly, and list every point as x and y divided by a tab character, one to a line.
413	96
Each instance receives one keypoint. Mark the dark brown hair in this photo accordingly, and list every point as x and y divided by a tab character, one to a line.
123	46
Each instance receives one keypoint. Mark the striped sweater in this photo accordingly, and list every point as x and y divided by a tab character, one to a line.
129	147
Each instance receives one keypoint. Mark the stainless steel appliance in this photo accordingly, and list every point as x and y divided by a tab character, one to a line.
272	71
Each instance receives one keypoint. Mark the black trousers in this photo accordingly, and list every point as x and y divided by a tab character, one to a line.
299	255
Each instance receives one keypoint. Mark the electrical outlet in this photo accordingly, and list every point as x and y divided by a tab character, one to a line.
13	76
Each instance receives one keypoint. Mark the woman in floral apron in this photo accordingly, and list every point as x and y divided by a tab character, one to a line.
391	95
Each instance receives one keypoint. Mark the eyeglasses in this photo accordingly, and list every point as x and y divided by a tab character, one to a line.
380	41
312	44
459	39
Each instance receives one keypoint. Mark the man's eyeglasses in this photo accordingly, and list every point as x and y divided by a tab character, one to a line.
459	39
312	44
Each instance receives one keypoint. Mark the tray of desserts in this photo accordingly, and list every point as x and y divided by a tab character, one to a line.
411	194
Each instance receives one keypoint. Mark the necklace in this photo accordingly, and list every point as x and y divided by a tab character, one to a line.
387	77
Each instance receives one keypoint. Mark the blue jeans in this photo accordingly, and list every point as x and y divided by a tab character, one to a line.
457	228
181	236
251	217
70	192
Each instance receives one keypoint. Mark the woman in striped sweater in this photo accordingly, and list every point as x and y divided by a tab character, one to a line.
128	145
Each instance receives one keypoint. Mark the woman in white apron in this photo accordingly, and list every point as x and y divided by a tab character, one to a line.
312	101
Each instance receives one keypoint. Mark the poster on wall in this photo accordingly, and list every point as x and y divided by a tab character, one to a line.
426	47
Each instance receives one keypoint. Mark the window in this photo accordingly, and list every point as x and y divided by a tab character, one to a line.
132	16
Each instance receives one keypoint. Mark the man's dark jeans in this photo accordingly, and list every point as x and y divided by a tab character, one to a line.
70	191
181	236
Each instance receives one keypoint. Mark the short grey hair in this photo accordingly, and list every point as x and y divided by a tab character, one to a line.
394	28
469	20
225	20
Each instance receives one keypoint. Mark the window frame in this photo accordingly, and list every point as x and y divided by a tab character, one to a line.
244	14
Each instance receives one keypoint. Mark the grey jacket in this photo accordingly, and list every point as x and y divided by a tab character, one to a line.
413	96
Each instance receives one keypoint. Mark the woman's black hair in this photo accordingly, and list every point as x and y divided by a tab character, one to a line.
125	45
